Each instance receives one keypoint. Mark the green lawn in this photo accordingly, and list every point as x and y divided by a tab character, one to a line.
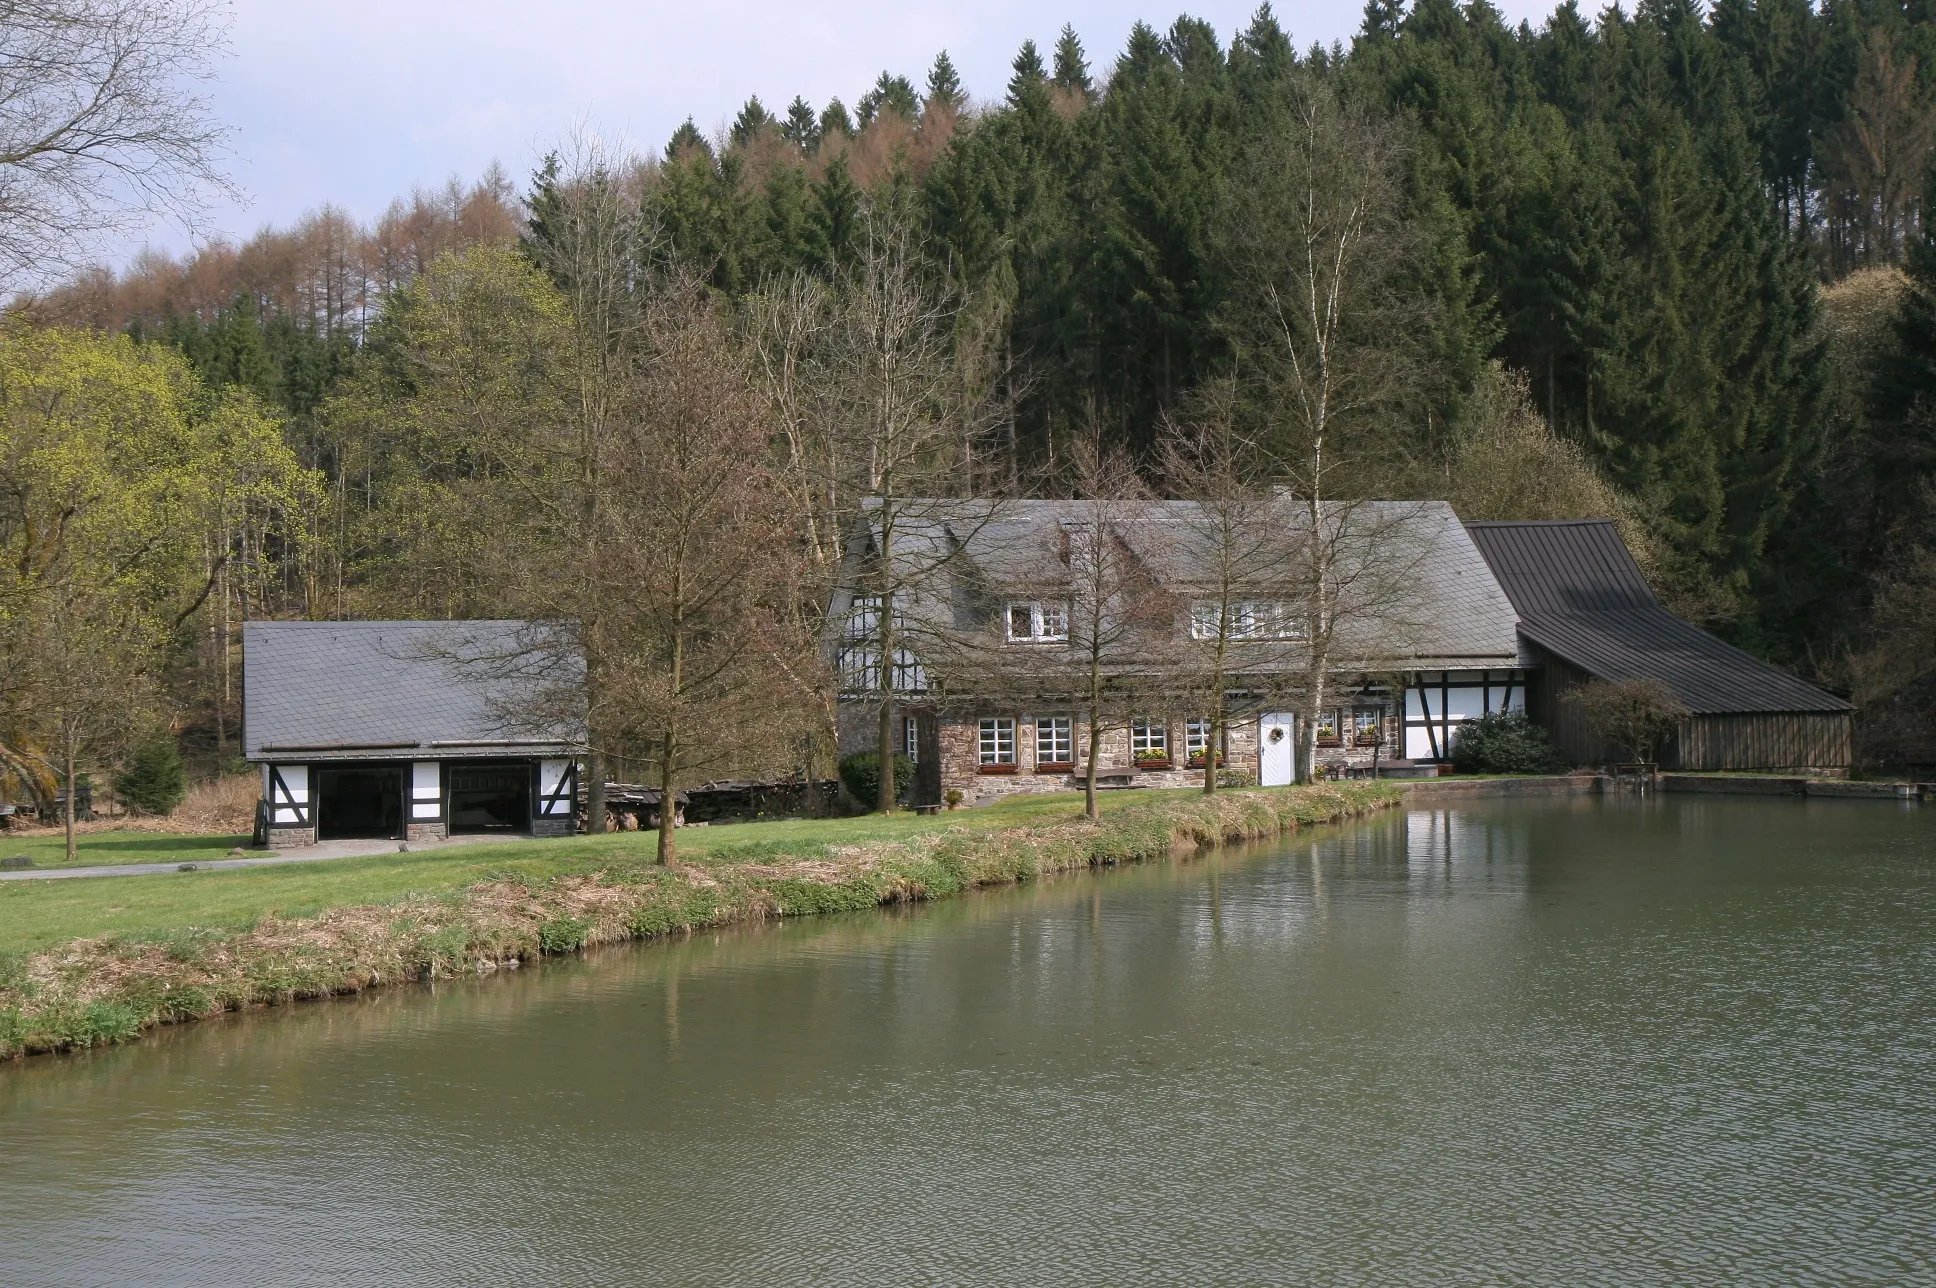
37	914
49	849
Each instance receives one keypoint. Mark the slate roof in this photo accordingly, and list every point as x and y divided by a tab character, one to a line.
1439	606
401	691
1580	595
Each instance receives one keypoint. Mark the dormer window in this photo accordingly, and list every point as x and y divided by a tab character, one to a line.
1250	619
1038	621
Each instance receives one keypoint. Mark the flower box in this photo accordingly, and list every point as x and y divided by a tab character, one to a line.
1055	767
1153	763
1369	739
1197	761
994	769
1330	742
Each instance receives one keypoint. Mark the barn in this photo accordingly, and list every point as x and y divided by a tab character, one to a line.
1586	613
408	730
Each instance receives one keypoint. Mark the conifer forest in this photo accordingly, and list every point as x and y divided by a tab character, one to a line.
1669	264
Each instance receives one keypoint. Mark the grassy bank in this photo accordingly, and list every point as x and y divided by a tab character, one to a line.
167	948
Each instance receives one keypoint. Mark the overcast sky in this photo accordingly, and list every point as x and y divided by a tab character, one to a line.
356	101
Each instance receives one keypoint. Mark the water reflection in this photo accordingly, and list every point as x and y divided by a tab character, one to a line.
1560	1043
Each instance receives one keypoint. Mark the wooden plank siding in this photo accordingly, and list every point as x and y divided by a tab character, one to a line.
1761	740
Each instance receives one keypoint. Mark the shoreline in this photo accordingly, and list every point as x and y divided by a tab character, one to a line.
102	991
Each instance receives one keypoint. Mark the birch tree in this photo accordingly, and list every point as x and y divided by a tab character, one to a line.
1328	331
899	401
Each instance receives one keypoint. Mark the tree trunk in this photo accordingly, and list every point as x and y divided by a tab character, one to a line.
1089	782
668	800
67	767
884	798
594	791
1209	748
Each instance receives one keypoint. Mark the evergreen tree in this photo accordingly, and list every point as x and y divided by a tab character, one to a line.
891	94
1071	66
751	120
834	120
944	85
801	128
1029	74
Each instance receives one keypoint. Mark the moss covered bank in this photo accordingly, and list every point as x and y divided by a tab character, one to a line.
103	990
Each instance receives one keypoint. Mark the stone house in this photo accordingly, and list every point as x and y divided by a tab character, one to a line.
407	730
990	666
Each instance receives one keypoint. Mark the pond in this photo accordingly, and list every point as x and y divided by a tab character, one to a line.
1675	1041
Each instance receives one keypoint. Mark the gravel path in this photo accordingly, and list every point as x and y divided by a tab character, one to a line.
308	854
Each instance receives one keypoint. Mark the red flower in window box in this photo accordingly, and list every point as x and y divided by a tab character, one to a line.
995	769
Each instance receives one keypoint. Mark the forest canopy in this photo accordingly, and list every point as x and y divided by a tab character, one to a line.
1668	265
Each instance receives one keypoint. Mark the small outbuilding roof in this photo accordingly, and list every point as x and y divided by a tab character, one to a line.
406	691
1580	596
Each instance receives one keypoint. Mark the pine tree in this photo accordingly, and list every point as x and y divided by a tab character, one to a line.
751	120
834	120
944	85
801	128
892	94
686	140
1071	67
1029	74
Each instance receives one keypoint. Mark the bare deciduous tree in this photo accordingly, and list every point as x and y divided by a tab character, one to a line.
1114	610
1635	715
1328	335
102	123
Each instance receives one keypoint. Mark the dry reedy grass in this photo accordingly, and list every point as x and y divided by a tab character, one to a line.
94	991
219	805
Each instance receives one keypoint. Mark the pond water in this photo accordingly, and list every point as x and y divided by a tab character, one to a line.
1679	1041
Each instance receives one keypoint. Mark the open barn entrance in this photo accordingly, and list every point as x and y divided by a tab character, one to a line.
490	796
359	801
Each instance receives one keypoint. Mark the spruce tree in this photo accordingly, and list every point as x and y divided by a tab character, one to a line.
944	85
1071	67
801	128
1029	74
751	120
834	120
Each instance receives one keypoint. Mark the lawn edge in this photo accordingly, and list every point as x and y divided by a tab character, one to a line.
102	991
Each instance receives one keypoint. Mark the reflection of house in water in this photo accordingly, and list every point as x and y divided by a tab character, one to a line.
406	730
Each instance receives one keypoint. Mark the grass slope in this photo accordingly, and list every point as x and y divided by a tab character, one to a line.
97	960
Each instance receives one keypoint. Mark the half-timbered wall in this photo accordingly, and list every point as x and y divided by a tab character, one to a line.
1438	702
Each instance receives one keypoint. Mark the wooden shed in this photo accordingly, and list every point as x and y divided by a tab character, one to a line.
1586	613
406	730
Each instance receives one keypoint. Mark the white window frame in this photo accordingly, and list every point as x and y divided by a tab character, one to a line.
911	737
1048	621
1055	740
1250	619
996	740
1196	737
1149	738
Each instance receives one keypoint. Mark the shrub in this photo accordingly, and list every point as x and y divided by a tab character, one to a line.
563	934
861	772
154	780
1635	715
1505	742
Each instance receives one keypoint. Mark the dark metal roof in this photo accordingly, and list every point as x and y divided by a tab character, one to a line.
401	691
1580	595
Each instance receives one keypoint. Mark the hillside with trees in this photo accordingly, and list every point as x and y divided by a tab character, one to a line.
1668	265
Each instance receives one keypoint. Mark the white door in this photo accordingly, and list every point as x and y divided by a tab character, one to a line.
1277	747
